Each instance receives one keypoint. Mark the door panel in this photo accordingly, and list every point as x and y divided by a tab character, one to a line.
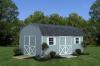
29	45
32	50
68	49
26	40
32	40
64	49
26	50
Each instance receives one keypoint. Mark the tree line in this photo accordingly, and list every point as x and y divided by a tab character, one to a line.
10	24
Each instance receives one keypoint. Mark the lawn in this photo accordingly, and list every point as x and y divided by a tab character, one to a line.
91	59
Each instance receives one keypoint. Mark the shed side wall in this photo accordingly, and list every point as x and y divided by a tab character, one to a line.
69	41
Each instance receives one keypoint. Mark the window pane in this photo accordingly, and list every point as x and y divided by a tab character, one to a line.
50	39
26	40
77	42
77	38
50	43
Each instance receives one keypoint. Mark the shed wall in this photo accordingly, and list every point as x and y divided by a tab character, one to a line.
34	31
69	41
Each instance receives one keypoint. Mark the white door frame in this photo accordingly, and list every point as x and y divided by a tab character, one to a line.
29	52
62	45
65	47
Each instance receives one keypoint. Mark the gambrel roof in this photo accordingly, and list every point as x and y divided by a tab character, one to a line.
58	30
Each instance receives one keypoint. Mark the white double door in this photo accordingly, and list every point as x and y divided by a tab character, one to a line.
30	45
64	47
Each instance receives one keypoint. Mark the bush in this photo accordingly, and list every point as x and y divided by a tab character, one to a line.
17	52
77	52
52	54
44	46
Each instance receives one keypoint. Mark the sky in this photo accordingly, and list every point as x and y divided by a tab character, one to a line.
61	7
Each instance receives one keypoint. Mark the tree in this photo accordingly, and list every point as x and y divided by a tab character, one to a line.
95	11
8	16
8	11
75	20
37	17
55	19
95	19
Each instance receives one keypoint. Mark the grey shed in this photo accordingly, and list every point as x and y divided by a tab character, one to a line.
63	40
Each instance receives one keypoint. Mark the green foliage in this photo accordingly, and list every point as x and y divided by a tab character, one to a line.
17	52
8	23
55	19
77	52
95	11
45	46
8	11
75	20
9	33
37	17
52	54
95	19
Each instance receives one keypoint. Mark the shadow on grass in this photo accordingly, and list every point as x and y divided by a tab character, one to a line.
85	54
45	59
50	58
82	54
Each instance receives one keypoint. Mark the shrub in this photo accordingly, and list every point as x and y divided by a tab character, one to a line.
44	48
77	52
52	54
17	52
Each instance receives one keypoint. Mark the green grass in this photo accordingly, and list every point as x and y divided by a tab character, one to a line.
93	59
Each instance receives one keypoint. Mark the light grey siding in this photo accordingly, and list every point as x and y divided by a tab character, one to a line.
34	31
77	46
53	47
70	40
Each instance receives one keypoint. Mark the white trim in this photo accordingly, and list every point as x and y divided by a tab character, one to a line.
54	38
41	43
59	46
64	47
29	44
24	42
41	39
69	49
29	36
75	40
65	44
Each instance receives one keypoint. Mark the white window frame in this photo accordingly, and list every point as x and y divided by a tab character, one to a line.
75	40
54	39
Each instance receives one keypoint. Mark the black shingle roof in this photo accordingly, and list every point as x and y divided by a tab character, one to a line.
58	30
